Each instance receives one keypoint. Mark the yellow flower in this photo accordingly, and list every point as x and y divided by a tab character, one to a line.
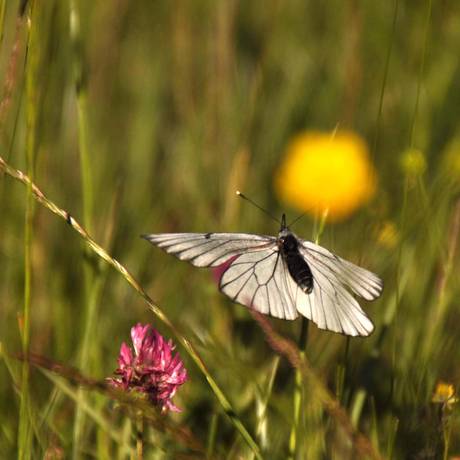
326	173
388	235
444	393
413	162
451	160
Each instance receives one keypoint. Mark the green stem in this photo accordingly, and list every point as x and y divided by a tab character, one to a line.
139	437
25	432
446	442
421	73
262	406
212	435
303	338
2	20
93	282
392	437
385	76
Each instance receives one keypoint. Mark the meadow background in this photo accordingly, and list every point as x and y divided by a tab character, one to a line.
140	117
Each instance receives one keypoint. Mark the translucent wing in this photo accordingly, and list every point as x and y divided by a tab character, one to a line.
260	280
254	274
362	282
209	249
331	306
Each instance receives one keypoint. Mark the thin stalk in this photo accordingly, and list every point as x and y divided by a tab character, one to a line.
2	19
15	375
262	405
385	76
93	282
212	435
357	406
446	439
392	438
155	309
302	343
25	431
421	73
139	437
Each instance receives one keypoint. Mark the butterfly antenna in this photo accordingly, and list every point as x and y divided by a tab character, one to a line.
257	206
297	219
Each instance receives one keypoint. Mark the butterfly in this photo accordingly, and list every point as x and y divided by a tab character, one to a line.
281	276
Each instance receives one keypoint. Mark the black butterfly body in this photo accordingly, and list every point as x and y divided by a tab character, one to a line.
297	267
281	276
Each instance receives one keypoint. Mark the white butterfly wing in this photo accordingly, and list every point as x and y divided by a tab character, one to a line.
362	282
254	274
253	271
260	280
209	249
331	306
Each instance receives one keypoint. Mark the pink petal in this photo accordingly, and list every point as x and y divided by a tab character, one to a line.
138	333
126	356
172	407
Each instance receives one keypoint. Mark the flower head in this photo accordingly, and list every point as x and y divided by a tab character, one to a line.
325	173
451	161
152	369
388	235
444	394
413	162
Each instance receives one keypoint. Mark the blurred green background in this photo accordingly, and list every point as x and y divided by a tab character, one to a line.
140	117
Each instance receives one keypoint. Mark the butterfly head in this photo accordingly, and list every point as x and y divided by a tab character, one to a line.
284	230
283	223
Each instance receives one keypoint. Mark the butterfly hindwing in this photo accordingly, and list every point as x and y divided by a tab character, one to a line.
361	281
259	280
335	308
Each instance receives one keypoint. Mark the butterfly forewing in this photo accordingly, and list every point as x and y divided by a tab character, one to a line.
209	249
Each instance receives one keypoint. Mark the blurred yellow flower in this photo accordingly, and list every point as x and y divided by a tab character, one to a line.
451	160
413	162
388	235
444	393
326	173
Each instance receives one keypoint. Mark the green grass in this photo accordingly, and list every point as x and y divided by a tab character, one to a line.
147	118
